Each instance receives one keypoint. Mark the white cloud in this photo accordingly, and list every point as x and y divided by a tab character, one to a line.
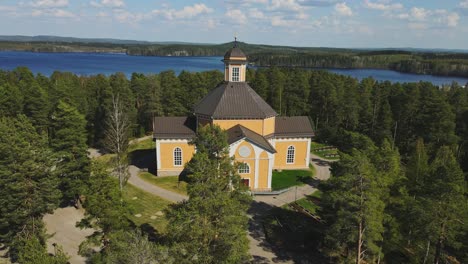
463	4
257	14
108	3
50	3
382	5
185	13
318	2
285	5
343	10
433	18
278	21
419	13
60	13
236	15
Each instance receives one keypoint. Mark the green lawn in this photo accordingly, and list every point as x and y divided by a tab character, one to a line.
148	206
106	159
307	202
170	183
315	145
289	178
144	144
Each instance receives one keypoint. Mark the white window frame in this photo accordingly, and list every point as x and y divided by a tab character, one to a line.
244	168
235	77
290	155
178	161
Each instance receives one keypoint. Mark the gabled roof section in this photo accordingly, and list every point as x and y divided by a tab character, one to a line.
293	126
234	100
174	127
239	132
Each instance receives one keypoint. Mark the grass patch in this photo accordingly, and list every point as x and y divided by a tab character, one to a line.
147	205
144	144
106	159
308	202
170	183
324	153
289	178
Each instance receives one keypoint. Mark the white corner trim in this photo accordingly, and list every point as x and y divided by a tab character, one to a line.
158	154
308	153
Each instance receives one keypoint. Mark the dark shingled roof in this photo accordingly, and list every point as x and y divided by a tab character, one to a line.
294	126
234	100
174	127
239	132
234	52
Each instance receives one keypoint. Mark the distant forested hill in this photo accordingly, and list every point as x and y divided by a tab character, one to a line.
437	62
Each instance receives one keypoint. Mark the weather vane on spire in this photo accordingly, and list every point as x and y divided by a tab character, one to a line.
235	39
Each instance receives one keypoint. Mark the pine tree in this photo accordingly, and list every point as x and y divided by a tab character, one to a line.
211	226
445	203
353	210
68	141
27	182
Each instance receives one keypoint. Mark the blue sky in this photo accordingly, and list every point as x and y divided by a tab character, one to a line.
331	23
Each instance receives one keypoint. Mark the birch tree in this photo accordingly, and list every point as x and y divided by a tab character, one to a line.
118	126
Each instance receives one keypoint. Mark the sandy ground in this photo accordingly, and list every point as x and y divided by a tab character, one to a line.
62	225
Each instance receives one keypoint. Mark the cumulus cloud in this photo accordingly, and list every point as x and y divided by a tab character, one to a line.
419	13
236	16
185	13
343	10
382	5
438	17
317	2
463	4
285	5
50	3
257	14
108	3
60	13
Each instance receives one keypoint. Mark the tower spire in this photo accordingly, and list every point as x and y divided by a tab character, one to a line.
235	39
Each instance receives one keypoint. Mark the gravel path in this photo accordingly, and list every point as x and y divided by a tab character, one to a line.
151	188
62	226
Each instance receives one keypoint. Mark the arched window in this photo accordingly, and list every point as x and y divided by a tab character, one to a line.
177	157
244	168
290	155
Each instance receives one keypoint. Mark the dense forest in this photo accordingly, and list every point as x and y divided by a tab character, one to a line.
419	62
398	194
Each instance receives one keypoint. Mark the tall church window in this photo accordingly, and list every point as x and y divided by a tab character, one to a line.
235	74
290	155
244	168
177	157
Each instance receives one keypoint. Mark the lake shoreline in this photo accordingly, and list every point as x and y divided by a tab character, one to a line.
107	63
252	65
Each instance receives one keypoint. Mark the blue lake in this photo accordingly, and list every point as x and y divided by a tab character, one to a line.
95	63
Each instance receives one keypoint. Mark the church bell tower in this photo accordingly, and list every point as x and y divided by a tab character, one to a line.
235	63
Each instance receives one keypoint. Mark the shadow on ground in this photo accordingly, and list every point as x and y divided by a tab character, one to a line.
290	235
144	159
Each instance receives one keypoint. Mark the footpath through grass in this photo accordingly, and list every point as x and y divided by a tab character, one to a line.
170	183
288	178
146	208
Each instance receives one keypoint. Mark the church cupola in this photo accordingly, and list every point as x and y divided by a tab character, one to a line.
235	63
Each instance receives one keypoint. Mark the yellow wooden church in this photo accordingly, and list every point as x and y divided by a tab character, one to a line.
259	139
